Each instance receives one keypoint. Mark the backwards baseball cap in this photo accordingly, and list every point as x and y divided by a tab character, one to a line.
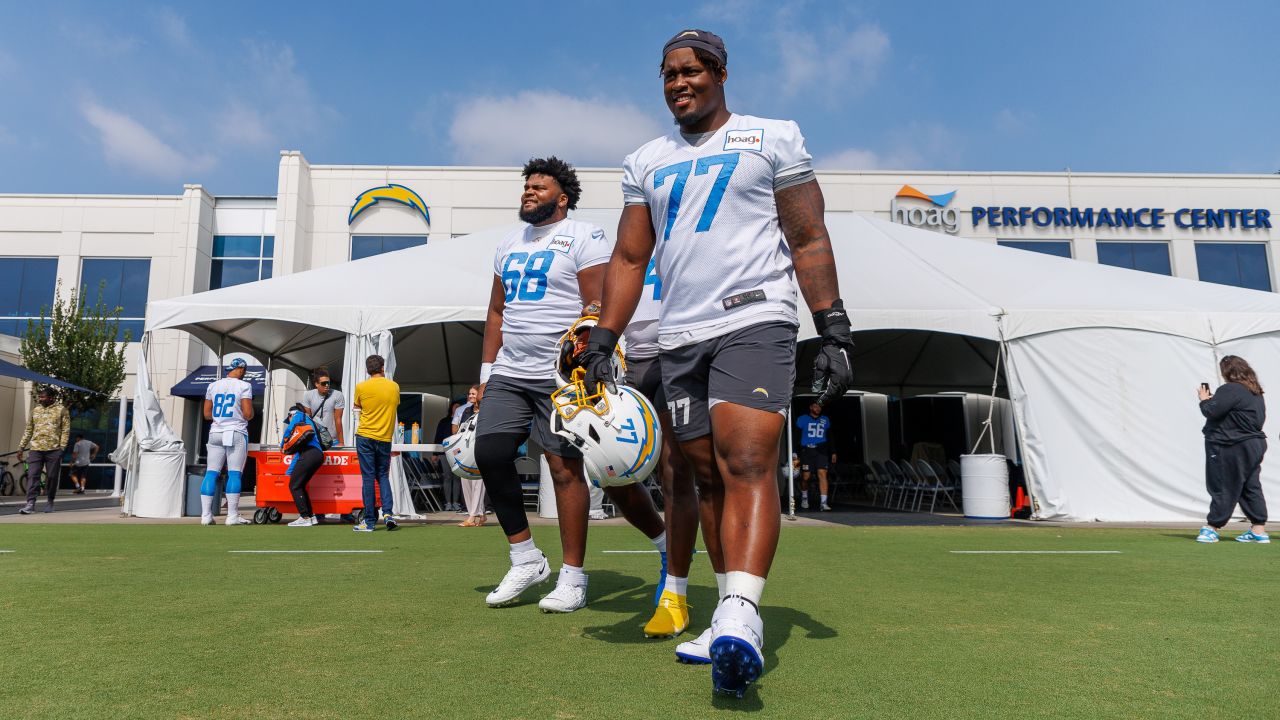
700	39
237	363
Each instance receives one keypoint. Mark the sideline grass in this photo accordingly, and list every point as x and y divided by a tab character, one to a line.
163	622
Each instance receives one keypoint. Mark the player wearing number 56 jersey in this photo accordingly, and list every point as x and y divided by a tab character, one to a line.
228	405
545	273
730	208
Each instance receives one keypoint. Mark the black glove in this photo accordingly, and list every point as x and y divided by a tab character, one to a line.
597	360
833	368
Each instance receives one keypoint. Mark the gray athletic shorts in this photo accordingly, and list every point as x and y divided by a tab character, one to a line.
232	457
510	404
754	367
645	375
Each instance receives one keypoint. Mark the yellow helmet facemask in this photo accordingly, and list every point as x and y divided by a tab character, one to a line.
574	397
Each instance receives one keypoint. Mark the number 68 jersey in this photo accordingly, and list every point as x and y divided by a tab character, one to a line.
538	267
719	246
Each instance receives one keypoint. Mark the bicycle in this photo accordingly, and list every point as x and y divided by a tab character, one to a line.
8	484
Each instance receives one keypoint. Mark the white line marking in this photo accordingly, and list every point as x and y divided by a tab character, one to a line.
303	552
1035	552
7	551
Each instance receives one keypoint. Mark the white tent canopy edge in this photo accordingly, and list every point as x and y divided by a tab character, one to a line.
1100	359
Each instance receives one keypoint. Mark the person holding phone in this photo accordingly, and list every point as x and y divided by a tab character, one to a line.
1234	445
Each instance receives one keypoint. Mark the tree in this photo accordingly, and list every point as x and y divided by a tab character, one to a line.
77	343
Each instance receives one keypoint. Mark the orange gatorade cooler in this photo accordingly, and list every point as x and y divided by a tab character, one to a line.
334	489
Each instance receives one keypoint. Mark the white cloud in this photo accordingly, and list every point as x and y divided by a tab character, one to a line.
97	39
914	146
285	105
835	59
128	143
584	131
240	124
172	27
1010	122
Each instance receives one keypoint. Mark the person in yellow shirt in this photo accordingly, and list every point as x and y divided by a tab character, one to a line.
377	400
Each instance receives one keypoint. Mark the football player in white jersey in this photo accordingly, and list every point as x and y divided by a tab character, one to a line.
730	208
545	274
228	403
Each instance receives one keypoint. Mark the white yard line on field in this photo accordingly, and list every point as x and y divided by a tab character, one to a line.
303	552
1035	552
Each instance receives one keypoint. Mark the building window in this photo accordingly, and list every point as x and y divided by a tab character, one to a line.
1060	248
240	259
122	283
1152	257
102	428
363	246
26	291
1240	264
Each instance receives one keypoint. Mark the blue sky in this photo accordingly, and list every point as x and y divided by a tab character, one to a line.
141	98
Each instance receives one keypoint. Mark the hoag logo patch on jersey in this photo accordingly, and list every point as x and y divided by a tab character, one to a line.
744	140
561	243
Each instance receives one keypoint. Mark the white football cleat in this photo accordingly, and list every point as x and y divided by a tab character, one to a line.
696	651
737	636
237	520
207	520
564	599
303	522
519	578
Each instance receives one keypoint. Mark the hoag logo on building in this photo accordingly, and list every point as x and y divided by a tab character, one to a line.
932	214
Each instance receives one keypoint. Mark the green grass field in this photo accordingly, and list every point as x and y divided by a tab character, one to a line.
116	621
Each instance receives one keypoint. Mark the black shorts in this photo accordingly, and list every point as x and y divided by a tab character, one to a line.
645	375
510	405
754	367
815	458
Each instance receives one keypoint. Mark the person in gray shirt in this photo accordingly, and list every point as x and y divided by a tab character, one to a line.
82	453
326	403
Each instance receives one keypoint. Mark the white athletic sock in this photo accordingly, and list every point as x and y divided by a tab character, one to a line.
745	585
677	585
233	504
824	499
521	550
571	575
206	506
721	580
660	542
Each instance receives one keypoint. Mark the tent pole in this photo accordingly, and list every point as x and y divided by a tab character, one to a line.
266	405
791	470
119	481
222	341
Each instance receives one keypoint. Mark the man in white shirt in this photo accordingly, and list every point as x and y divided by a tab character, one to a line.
729	207
82	453
228	404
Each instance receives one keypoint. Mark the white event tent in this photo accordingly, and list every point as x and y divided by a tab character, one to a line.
1101	363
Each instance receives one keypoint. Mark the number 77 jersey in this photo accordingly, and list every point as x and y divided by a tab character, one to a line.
719	247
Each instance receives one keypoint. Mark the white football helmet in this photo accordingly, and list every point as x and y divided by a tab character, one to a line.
618	433
460	449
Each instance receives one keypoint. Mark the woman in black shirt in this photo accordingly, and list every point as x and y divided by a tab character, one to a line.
1234	444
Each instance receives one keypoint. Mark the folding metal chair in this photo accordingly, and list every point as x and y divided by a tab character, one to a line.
530	474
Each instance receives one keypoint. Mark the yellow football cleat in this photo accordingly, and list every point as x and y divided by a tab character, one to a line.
670	618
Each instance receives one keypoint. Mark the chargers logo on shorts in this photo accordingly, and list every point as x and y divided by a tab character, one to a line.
744	140
561	243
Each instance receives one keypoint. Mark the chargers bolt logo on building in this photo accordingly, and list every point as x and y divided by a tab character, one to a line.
392	192
934	216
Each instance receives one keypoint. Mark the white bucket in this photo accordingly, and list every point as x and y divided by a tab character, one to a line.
985	486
